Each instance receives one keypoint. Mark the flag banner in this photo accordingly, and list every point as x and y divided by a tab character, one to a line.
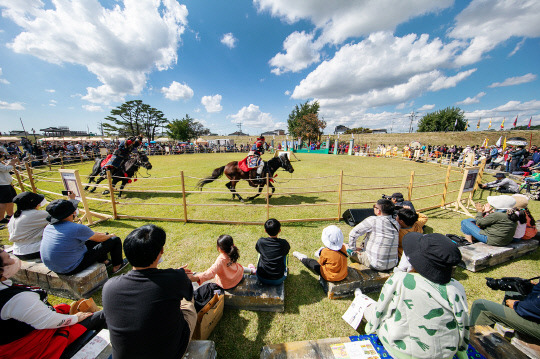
489	123
504	143
502	124
529	125
515	122
478	124
498	143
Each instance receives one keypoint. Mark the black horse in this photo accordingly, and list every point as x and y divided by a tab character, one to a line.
235	174
124	173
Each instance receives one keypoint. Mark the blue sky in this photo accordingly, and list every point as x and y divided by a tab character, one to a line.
368	63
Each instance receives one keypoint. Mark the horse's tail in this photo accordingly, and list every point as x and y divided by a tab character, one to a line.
218	172
95	169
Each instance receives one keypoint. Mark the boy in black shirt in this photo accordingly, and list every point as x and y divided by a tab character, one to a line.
273	254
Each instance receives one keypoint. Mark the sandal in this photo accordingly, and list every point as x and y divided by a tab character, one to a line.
122	266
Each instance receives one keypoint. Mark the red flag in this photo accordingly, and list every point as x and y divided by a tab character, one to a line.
515	122
529	126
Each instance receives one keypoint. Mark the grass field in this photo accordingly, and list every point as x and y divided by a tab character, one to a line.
308	313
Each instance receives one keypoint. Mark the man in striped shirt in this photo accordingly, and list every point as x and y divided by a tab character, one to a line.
379	250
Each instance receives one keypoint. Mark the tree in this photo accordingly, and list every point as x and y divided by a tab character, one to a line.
309	127
448	119
186	129
298	115
358	130
134	117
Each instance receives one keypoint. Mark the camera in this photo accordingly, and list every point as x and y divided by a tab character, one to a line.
384	196
511	284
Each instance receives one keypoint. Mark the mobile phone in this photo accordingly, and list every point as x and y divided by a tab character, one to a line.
66	193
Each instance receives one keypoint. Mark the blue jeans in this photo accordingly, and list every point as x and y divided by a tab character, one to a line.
468	226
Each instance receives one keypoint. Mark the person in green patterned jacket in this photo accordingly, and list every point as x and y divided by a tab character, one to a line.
423	313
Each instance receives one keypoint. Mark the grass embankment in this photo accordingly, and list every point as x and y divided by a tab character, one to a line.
308	313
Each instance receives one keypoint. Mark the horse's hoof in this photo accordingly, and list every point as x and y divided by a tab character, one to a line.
241	200
105	192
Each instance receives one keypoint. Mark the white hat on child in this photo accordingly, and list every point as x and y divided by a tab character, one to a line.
501	202
332	237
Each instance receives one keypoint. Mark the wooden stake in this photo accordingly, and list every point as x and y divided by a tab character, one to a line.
340	194
445	190
62	159
184	196
411	183
21	184
31	177
111	193
267	196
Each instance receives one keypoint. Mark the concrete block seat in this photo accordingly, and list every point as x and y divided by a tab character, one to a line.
359	276
197	349
81	285
251	294
479	256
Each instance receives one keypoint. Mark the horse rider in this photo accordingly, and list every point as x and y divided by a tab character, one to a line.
257	150
122	153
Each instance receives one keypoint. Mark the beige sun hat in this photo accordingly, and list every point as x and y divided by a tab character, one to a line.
522	201
501	202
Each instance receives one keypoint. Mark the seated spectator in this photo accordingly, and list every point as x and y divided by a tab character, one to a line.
7	192
521	313
527	163
150	311
521	203
273	253
409	221
32	328
399	201
380	246
527	181
26	225
530	226
68	247
225	270
422	314
502	184
332	263
496	226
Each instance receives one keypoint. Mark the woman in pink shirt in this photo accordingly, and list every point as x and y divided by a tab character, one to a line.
226	272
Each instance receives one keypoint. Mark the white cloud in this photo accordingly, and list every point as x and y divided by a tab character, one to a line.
3	81
516	49
300	52
212	103
229	40
52	103
287	93
177	91
509	110
448	82
426	108
50	90
11	106
340	20
470	100
486	24
252	116
93	108
511	81
120	45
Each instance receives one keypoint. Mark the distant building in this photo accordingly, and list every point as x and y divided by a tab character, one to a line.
238	133
18	133
339	130
62	131
379	130
274	133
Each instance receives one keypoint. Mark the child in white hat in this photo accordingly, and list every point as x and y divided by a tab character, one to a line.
332	263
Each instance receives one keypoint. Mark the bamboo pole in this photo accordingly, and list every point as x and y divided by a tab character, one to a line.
267	196
411	184
340	194
61	159
21	184
111	193
30	177
446	182
184	196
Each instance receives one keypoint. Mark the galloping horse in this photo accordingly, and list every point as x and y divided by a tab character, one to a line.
123	174
235	174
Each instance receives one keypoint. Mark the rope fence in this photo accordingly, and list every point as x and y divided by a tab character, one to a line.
334	192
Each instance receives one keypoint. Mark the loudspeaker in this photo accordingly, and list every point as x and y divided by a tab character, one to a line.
354	216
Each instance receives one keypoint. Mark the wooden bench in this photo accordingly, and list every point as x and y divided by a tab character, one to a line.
359	276
479	256
81	285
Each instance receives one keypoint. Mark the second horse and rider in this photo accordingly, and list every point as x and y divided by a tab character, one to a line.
252	169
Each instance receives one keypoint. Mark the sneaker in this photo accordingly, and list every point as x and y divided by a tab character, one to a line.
299	255
317	253
357	292
4	220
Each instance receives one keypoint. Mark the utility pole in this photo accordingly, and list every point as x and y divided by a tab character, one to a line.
412	117
239	125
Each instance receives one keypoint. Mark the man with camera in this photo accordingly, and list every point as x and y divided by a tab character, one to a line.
521	309
399	201
380	248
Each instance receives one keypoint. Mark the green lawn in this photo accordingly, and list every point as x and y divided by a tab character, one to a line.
308	313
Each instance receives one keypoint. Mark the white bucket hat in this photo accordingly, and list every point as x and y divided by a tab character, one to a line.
501	202
332	238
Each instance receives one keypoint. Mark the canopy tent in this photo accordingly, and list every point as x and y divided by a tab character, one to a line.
9	139
201	141
163	139
517	141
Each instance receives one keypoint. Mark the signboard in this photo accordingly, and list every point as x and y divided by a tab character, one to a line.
469	179
70	183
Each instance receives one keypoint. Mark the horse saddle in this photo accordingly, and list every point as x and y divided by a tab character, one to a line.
249	163
106	160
